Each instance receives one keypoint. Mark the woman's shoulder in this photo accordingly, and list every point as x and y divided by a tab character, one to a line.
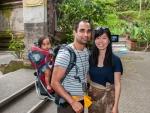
117	64
116	58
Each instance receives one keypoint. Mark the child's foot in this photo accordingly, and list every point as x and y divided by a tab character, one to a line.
49	88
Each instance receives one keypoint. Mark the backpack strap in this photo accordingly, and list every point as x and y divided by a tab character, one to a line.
72	62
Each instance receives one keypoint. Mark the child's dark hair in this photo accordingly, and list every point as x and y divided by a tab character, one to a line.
40	41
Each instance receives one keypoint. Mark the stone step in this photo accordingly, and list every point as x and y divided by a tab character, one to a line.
14	81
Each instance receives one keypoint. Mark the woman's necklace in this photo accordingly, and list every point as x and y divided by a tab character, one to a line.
101	61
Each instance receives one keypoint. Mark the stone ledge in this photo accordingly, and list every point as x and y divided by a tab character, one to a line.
15	65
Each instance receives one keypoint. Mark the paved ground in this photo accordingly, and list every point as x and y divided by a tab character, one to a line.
136	83
6	57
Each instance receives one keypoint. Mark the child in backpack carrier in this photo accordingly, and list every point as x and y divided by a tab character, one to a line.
46	63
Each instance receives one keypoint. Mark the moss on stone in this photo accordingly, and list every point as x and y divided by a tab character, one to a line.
6	11
13	66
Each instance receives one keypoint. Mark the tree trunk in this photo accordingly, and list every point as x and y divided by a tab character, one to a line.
147	46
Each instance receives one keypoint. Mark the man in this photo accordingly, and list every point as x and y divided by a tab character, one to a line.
71	89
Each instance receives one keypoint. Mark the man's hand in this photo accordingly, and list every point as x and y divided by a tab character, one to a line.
77	106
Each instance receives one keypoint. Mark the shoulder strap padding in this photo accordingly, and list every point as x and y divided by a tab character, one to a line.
72	62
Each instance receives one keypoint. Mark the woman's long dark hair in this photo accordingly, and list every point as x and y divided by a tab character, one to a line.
95	52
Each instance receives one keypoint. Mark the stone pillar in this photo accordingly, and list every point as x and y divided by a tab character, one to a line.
35	21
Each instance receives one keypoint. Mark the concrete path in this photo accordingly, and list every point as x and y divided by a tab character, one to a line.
135	83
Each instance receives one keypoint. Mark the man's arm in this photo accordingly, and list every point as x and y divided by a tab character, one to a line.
57	76
61	63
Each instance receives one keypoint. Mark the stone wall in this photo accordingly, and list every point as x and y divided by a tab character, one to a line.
11	17
34	21
33	31
35	24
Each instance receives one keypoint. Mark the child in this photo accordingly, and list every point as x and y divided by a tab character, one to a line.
45	45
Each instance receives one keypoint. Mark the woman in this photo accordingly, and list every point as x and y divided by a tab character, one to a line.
105	73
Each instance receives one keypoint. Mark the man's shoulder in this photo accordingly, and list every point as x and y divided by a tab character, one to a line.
67	48
65	51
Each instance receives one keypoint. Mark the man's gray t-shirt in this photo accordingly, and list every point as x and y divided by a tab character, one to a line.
72	85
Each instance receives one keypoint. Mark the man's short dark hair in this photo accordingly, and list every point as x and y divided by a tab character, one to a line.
76	24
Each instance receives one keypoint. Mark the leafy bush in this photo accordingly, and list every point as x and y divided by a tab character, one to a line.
17	45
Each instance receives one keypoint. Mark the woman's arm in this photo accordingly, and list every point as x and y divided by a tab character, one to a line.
117	80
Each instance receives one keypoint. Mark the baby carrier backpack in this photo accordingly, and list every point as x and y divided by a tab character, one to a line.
38	59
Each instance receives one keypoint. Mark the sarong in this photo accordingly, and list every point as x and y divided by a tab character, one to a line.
102	98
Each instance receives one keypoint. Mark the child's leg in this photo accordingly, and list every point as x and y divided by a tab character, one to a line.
47	78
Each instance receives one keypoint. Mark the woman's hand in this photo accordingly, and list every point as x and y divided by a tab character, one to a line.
115	110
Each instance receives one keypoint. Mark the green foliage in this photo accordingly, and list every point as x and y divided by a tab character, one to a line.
145	17
6	11
136	26
134	30
17	45
115	24
73	10
121	16
129	15
146	33
125	5
129	10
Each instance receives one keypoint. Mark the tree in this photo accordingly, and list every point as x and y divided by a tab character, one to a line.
73	10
